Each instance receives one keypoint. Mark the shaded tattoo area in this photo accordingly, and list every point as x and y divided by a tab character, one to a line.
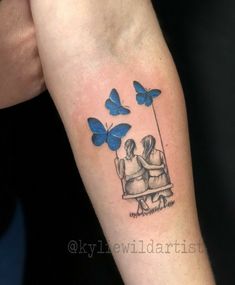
144	176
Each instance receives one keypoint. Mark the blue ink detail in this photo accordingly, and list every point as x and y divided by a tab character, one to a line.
113	104
111	136
145	96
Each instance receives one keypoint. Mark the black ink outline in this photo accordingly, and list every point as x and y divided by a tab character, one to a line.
157	193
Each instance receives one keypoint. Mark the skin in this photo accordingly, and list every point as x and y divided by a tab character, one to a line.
122	42
21	76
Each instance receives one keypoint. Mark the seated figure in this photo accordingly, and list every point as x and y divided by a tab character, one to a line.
132	170
156	177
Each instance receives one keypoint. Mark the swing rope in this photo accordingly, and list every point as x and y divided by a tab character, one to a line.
162	145
117	173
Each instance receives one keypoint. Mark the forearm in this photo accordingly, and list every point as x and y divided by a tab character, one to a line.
109	45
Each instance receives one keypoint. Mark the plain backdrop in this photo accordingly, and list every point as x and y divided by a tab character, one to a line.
38	169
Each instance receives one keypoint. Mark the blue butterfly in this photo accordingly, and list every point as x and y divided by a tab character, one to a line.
145	96
111	136
113	104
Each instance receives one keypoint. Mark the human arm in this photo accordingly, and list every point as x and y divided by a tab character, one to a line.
119	164
148	166
87	48
21	76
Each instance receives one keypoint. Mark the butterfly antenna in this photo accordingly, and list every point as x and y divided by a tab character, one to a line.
108	128
111	126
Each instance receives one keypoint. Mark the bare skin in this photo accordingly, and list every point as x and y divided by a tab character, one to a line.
21	76
122	42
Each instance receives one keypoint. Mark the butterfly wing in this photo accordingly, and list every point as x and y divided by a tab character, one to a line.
113	104
113	142
139	88
123	111
140	98
141	93
115	134
114	97
154	93
98	139
148	100
120	130
99	132
96	126
150	95
112	107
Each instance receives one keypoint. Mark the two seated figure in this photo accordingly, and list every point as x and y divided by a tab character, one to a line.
141	173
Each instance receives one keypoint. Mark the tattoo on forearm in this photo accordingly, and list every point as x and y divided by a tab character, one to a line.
144	177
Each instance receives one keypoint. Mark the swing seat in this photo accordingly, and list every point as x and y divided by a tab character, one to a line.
147	192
